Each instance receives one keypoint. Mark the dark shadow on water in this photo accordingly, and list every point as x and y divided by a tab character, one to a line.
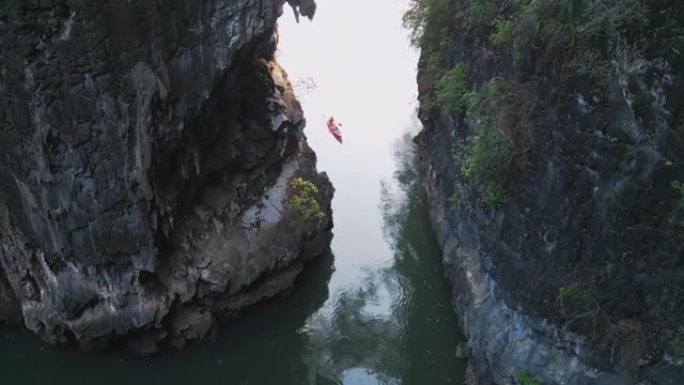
263	346
431	345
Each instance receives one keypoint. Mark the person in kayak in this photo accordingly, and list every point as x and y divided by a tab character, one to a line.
334	130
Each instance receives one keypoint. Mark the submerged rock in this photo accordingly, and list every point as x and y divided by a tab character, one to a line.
145	158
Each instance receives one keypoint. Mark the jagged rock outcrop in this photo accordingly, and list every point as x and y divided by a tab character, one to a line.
569	264
146	154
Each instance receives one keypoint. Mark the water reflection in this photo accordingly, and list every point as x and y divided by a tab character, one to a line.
358	338
396	326
431	344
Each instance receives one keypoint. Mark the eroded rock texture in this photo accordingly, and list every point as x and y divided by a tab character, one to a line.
577	274
146	150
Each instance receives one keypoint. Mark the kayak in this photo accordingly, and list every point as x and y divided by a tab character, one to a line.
335	131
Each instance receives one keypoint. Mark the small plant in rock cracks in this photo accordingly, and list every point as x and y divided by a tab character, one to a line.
679	186
527	378
303	199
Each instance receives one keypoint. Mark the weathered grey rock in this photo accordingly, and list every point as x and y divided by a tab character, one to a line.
145	154
591	205
508	328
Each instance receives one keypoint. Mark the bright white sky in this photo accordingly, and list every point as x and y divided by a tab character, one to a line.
357	54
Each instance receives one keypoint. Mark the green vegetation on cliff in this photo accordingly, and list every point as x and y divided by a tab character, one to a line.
566	41
486	109
304	199
527	378
571	111
488	157
452	89
573	36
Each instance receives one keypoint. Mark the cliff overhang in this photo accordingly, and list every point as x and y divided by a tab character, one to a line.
146	159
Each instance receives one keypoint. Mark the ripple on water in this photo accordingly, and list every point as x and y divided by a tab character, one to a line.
364	376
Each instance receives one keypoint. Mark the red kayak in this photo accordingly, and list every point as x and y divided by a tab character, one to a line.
334	130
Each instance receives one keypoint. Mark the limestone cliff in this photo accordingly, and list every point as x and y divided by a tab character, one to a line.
553	159
147	151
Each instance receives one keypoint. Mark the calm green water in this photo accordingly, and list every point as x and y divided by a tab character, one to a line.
374	311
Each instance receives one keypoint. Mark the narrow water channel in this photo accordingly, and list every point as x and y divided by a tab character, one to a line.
375	311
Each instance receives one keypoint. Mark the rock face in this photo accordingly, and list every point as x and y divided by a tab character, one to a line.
146	154
578	277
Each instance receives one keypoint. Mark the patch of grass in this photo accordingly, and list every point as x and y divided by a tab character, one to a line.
303	199
573	297
679	186
493	92
488	156
527	378
575	35
480	13
503	31
589	62
452	89
494	195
